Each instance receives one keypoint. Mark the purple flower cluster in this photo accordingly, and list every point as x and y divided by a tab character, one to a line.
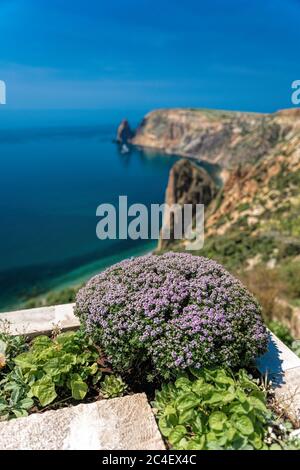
172	311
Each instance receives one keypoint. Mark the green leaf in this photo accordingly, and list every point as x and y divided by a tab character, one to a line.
44	390
197	425
78	387
19	413
93	369
177	434
67	337
41	342
183	383
186	416
202	389
217	420
239	442
257	404
212	441
165	425
256	441
187	401
26	403
25	361
221	397
196	443
240	408
244	425
222	378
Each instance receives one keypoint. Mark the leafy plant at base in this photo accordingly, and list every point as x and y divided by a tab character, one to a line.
10	346
112	387
60	367
212	409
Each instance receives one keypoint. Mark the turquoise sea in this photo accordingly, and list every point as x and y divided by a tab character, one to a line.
56	168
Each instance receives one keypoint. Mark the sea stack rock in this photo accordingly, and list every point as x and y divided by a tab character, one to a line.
124	132
188	184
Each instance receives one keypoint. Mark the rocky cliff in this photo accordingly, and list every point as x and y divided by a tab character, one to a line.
188	184
223	137
252	224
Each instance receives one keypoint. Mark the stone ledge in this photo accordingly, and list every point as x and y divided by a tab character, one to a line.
282	366
37	321
118	424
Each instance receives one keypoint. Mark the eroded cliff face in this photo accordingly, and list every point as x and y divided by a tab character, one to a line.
252	224
222	137
188	184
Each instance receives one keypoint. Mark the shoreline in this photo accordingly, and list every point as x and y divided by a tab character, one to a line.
77	277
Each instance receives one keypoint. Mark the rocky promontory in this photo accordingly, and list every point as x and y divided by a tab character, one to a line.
226	138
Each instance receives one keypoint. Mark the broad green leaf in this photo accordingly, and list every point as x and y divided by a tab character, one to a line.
256	441
187	401
220	397
26	403
182	444
197	425
165	426
63	338
187	416
177	434
275	447
240	408
257	404
201	388
212	441
243	424
19	413
25	360
239	442
41	342
222	378
196	443
78	387
44	390
183	383
217	420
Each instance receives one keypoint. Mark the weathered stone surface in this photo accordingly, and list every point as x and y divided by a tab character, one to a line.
40	320
278	359
287	392
119	424
283	367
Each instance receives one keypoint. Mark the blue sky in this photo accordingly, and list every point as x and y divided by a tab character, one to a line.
149	53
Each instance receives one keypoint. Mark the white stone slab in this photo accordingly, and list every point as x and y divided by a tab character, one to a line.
119	424
282	366
278	359
41	320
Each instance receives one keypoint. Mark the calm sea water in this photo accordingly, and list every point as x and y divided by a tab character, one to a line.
56	168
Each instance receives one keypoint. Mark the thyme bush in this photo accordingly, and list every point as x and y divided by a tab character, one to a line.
171	312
